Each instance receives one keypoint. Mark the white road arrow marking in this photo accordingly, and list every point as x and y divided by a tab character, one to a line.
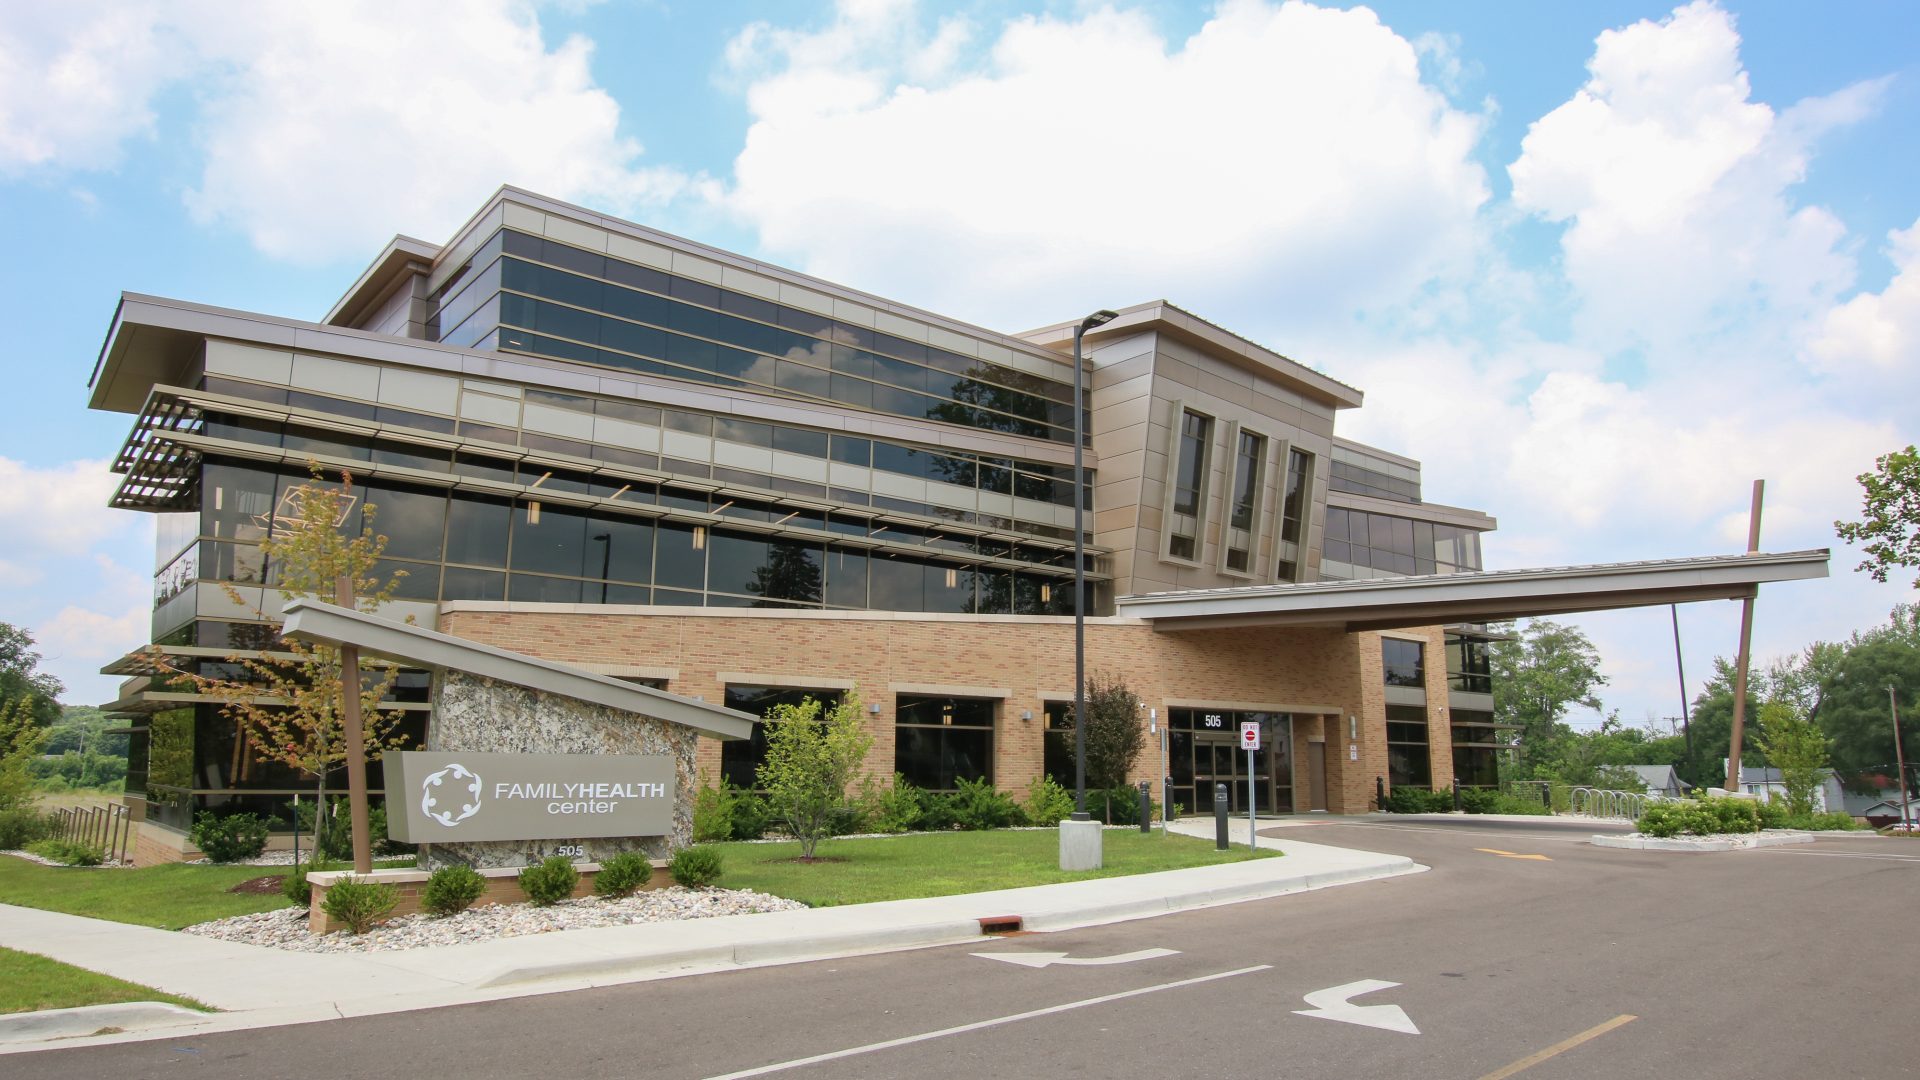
1046	959
1332	1004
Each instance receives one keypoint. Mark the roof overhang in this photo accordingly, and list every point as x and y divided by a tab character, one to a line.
1160	316
328	624
1482	596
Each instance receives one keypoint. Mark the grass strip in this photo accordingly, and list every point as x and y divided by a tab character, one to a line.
30	982
869	869
168	895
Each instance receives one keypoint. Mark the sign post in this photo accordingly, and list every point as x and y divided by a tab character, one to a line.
1250	738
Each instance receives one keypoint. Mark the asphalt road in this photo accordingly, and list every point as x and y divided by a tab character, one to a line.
1524	944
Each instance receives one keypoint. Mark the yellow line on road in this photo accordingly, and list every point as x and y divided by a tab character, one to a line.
1559	1048
1512	854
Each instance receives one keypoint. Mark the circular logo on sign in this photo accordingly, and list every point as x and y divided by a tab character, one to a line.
453	786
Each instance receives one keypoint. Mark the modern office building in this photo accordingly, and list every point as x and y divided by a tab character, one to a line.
597	443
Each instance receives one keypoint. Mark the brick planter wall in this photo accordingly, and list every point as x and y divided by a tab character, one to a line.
503	887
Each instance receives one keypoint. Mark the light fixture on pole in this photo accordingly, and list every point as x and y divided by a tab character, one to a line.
1098	318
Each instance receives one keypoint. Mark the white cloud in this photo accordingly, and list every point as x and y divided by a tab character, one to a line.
327	127
1876	335
57	510
1673	185
76	79
1285	161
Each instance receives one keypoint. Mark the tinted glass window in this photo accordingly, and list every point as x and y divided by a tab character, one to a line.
477	531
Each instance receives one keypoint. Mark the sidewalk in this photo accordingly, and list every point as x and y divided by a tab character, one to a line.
259	987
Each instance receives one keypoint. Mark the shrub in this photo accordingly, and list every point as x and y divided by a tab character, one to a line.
1407	799
1773	814
69	852
232	838
1114	805
452	889
696	866
1835	820
937	812
335	840
980	805
1732	814
1480	801
1664	820
895	809
1707	816
728	812
549	881
359	903
622	874
21	826
294	886
1047	802
1514	804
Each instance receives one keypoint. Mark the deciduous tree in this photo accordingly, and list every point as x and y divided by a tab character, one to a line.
810	763
1539	674
1889	526
21	677
1797	748
1115	735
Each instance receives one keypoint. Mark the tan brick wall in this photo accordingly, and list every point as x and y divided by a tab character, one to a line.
1299	671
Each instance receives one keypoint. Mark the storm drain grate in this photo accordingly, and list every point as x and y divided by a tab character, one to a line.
1000	924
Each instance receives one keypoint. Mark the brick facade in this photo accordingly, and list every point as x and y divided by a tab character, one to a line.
1322	677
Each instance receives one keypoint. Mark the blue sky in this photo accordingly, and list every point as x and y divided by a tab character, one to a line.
1598	265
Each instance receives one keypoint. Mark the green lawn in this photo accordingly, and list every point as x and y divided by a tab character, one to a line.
942	864
30	982
169	896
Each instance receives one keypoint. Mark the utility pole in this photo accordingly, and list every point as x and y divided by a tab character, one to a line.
1680	665
1746	646
1899	759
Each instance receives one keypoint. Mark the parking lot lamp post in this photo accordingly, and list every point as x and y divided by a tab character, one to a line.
1098	318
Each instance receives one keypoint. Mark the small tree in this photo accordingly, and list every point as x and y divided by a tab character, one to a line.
810	763
1115	735
1797	748
286	704
20	739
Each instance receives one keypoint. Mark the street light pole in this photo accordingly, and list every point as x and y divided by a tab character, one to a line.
1098	318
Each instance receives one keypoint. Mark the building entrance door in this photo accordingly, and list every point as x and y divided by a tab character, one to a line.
1204	750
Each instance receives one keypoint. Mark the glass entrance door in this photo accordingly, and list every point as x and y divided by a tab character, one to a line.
1204	750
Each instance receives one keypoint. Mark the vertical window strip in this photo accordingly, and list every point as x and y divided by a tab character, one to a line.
1186	503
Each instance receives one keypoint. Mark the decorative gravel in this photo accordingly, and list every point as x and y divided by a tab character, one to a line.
265	858
110	864
287	927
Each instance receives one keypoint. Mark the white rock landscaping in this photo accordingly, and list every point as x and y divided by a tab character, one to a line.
1720	842
286	928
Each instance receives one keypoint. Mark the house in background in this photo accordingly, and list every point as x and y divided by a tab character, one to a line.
1767	784
1661	780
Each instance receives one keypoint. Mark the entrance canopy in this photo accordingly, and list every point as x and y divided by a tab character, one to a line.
1480	596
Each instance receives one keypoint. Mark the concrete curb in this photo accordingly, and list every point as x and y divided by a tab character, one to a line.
89	1019
1748	841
